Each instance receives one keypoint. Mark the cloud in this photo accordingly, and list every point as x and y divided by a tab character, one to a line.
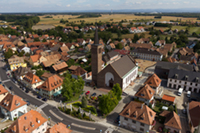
107	5
116	0
68	5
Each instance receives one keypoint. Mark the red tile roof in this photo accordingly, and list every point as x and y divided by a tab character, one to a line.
146	92
2	90
194	109
59	128
32	78
153	80
12	102
168	98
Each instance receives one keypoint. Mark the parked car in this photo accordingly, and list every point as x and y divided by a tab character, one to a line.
117	120
87	93
184	111
188	94
94	94
15	81
180	91
44	99
0	82
27	91
10	88
23	88
28	103
39	97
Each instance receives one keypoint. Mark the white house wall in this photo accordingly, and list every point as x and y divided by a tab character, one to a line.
129	78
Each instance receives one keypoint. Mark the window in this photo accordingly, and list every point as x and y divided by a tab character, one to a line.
142	129
179	81
125	118
142	124
175	81
43	129
170	79
196	84
190	83
185	82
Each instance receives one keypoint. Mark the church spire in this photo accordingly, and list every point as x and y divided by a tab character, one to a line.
96	38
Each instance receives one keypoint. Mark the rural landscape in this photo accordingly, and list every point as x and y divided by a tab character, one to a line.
99	70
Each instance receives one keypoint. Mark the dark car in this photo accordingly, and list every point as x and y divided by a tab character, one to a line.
3	85
27	91
44	99
28	103
117	120
10	88
39	97
0	82
94	94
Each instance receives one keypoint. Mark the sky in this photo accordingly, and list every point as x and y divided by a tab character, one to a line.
75	5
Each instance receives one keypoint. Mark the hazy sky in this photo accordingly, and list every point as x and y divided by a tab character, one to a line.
64	5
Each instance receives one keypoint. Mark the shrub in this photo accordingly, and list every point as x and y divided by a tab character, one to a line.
68	111
84	115
171	108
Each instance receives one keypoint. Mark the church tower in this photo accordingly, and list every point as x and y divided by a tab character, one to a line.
96	53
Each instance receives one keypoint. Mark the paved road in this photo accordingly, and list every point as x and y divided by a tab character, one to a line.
86	127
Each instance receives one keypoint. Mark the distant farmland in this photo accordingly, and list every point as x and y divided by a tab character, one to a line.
43	27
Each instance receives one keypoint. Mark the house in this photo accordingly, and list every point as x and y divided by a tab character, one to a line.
81	41
13	106
160	43
21	72
16	62
88	48
110	57
59	67
170	59
122	52
64	49
172	121
145	94
185	51
143	40
110	46
3	93
162	68
31	81
52	87
140	29
193	114
154	82
46	75
169	100
124	42
51	59
188	80
137	117
78	71
126	48
146	54
8	45
31	122
36	60
25	49
59	128
70	46
144	45
35	36
133	30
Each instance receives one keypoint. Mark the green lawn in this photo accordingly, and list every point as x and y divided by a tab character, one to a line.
87	109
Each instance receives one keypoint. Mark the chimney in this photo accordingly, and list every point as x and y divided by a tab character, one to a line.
32	125
14	129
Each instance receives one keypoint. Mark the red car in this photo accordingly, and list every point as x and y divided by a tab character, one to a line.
87	93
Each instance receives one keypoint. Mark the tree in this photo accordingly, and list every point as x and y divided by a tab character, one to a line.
119	34
197	47
117	91
84	102
119	46
44	40
36	39
21	53
8	54
107	103
135	38
39	73
105	35
142	35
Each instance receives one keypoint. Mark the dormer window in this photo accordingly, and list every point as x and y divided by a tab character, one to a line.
142	94
186	77
197	79
176	76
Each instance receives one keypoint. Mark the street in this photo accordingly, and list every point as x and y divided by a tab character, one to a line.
76	124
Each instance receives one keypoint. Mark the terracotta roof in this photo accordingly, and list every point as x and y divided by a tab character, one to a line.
32	78
153	80
127	48
139	112
34	44
194	109
33	48
64	48
15	59
8	45
46	75
29	121
170	59
185	51
133	28
35	36
2	90
145	92
59	128
168	98
35	58
51	83
122	52
51	59
59	66
172	119
12	102
143	45
112	45
77	70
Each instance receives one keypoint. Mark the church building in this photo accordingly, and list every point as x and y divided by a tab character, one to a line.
122	71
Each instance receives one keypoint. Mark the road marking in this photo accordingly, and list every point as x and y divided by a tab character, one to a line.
43	105
55	115
89	128
6	80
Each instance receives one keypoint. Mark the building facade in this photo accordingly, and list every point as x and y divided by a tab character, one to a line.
16	62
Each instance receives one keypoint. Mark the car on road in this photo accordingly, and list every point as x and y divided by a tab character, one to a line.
0	83
44	99
184	111
27	91
10	88
39	97
117	120
87	93
28	103
180	91
94	94
15	81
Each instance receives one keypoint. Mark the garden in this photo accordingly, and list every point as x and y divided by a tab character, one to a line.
87	108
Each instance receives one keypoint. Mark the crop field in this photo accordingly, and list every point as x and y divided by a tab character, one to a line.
55	20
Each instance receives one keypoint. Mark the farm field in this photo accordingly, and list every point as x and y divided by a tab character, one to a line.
55	20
